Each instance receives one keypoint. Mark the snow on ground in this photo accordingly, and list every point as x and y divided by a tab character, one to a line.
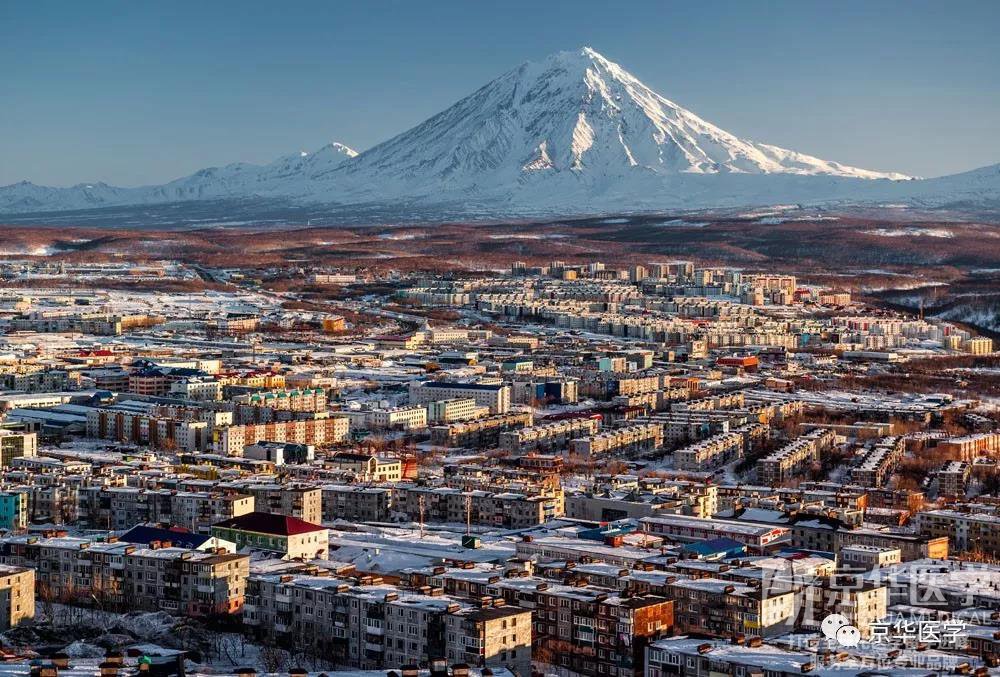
911	232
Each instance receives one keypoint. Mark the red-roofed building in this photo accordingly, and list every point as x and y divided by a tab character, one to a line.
290	536
745	362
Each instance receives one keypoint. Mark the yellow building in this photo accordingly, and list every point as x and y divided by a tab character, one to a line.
979	345
17	596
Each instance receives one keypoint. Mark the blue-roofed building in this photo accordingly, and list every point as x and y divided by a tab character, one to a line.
714	548
146	534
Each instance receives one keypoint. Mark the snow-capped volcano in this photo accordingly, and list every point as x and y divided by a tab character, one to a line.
574	132
572	112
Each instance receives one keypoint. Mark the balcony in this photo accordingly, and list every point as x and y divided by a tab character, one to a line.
282	598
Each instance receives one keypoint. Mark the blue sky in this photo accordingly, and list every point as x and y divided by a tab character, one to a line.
140	92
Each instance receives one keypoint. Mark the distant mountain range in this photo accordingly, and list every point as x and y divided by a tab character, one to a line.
572	134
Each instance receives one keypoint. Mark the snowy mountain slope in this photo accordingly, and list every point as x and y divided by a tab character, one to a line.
978	186
237	180
572	112
573	133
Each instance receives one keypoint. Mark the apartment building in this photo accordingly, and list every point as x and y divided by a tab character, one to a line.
965	531
548	437
374	626
494	635
868	557
864	603
333	278
794	458
710	454
968	447
410	417
124	507
199	388
878	464
188	430
198	510
451	410
631	439
303	502
911	546
356	503
14	510
17	596
15	444
586	629
115	575
320	432
98	324
978	345
234	323
605	385
510	510
299	399
55	501
482	433
35	380
496	397
952	479
722	608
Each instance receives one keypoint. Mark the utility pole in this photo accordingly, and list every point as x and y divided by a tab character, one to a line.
420	504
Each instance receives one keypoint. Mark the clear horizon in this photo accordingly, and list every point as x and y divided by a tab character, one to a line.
133	94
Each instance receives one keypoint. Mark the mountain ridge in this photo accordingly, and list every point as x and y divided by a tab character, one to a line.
574	130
